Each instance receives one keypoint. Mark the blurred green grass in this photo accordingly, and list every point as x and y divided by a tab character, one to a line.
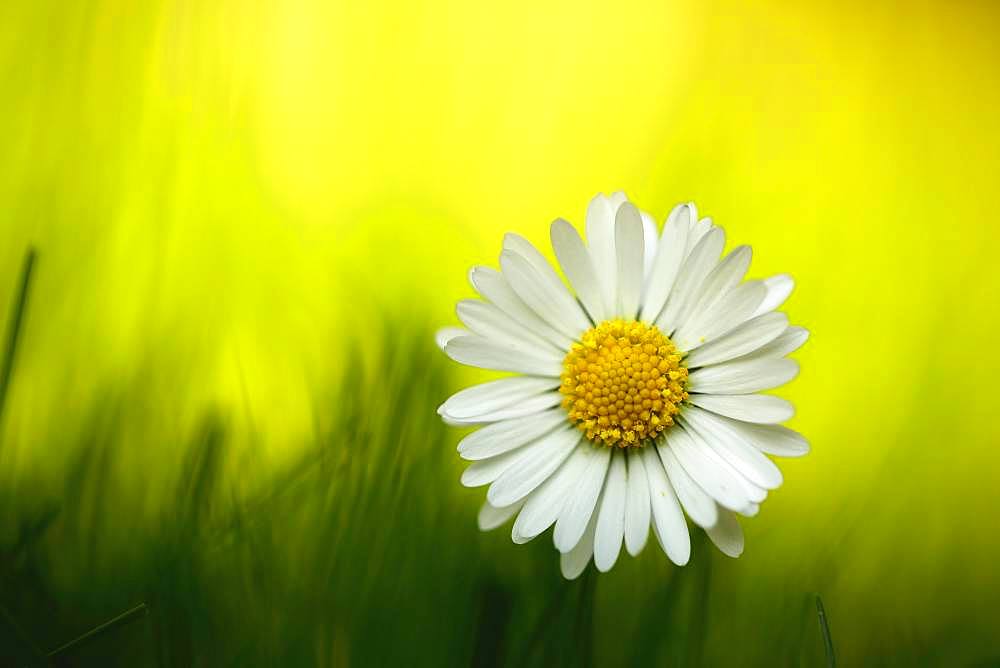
249	221
361	550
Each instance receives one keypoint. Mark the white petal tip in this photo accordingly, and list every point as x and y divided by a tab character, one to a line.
571	571
446	334
634	551
681	561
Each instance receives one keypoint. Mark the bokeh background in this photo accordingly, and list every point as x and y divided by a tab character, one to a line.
250	216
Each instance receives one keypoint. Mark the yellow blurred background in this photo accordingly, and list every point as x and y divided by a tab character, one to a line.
250	187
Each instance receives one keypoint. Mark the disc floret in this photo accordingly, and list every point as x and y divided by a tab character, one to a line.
623	383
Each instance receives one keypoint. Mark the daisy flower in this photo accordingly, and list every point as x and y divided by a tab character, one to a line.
636	394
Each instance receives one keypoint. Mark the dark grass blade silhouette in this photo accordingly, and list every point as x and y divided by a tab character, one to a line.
824	625
14	326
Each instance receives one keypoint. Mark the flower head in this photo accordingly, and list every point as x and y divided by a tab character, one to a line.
635	397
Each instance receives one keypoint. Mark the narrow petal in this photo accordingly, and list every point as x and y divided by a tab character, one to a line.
486	471
772	439
751	492
500	437
629	253
756	408
724	277
743	377
787	343
576	263
518	410
546	503
544	270
479	352
725	315
733	447
611	516
778	289
494	395
692	274
491	517
489	322
650	241
670	255
551	302
699	228
746	338
668	520
540	460
517	538
573	562
699	506
637	510
491	284
573	520
727	534
446	334
708	470
601	242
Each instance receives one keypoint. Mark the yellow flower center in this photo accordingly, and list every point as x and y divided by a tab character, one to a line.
623	383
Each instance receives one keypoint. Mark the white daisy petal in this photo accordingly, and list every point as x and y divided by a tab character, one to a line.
476	351
743	377
787	342
486	471
699	228
550	301
576	263
611	515
573	562
668	520
629	257
574	517
539	461
772	439
708	470
699	506
616	199
670	253
517	538
446	334
543	269
735	308
749	491
724	277
649	244
693	272
750	511
778	289
727	534
601	243
494	395
521	409
546	503
499	437
754	493
491	517
733	447
491	284
743	339
756	408
488	321
637	510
